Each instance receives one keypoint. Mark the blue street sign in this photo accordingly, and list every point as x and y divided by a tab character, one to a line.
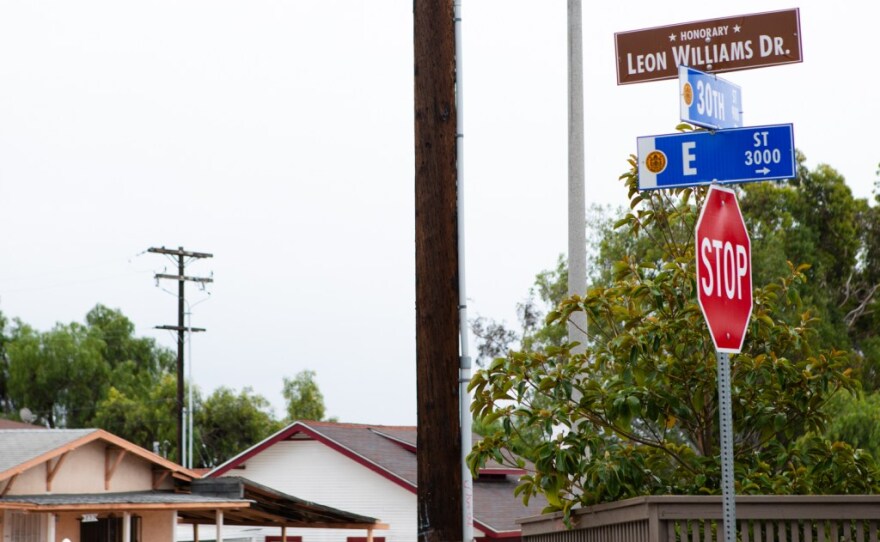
708	101
738	155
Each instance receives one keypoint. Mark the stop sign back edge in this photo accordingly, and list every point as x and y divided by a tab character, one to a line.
724	313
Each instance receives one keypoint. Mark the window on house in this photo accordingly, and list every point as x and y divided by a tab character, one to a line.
364	539
26	527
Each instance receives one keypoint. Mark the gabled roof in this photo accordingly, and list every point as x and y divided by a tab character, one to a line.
12	424
244	502
391	452
23	449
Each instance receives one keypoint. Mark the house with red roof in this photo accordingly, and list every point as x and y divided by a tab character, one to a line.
368	470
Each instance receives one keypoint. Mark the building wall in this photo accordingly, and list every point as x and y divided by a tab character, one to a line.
312	471
67	526
158	526
83	472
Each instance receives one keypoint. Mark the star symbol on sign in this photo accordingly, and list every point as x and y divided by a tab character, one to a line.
736	28
672	37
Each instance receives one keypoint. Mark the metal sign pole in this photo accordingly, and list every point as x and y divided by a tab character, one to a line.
724	412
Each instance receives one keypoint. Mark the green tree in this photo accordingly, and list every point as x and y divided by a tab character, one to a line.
495	339
100	374
7	407
304	399
815	219
227	423
636	413
143	417
60	374
141	404
855	419
121	345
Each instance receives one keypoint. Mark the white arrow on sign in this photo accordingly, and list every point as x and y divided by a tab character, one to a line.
765	171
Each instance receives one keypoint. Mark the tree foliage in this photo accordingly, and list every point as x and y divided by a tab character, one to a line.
304	398
60	375
815	219
228	423
100	374
637	414
145	416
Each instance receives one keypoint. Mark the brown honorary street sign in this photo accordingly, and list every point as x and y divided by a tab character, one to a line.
715	45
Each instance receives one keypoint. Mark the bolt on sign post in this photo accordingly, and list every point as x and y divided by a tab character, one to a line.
724	292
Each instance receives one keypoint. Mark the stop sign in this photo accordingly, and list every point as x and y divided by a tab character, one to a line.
724	269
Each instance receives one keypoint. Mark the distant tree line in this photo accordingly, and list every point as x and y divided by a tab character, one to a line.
99	374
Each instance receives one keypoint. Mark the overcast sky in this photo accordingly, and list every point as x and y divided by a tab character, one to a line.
278	136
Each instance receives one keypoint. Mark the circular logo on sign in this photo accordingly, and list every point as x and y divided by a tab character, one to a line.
687	92
655	161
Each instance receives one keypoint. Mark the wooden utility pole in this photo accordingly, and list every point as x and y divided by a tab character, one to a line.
181	278
437	319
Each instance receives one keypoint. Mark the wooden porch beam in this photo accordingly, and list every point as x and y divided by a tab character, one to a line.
159	477
8	485
110	466
52	470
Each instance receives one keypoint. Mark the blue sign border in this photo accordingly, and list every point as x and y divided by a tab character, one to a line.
707	90
738	155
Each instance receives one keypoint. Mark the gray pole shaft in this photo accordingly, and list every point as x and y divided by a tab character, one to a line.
467	483
728	491
577	243
181	444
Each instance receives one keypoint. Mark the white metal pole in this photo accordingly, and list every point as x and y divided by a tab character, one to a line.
577	242
467	487
190	411
184	417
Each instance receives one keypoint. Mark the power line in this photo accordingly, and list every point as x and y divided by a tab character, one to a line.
183	257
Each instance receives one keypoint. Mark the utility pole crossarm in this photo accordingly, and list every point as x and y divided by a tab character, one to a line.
179	252
183	277
180	328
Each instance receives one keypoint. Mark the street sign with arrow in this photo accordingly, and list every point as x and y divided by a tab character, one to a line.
737	155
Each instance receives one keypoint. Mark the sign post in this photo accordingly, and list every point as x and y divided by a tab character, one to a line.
732	154
724	292
728	490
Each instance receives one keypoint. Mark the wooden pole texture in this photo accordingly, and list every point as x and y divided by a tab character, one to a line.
437	319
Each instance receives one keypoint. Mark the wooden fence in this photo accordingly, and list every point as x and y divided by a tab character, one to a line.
790	518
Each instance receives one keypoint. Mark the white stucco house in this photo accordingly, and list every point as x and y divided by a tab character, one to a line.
368	470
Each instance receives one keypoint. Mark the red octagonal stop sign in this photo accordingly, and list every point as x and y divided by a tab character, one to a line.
724	269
